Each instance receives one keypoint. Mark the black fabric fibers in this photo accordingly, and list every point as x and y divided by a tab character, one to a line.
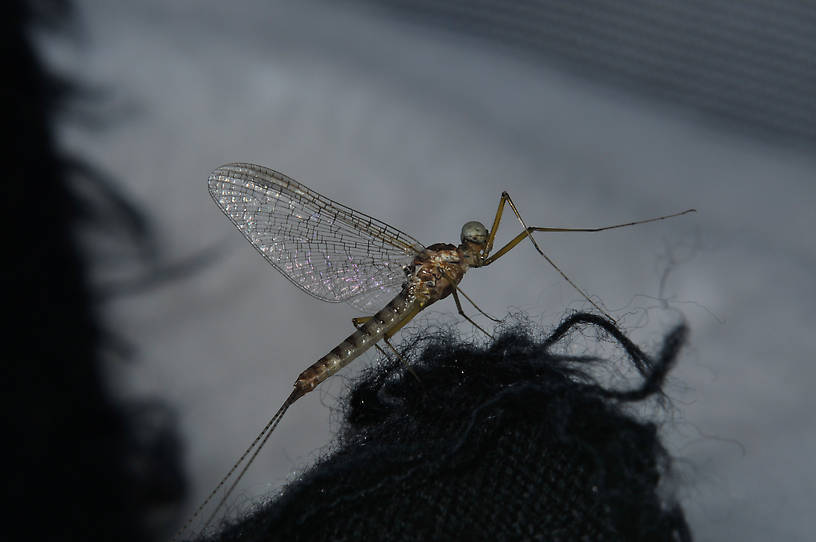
509	441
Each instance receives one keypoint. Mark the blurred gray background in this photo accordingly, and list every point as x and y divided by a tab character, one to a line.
420	114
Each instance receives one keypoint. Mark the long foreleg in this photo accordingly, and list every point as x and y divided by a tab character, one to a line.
528	231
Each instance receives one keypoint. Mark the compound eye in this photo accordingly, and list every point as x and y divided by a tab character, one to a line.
474	232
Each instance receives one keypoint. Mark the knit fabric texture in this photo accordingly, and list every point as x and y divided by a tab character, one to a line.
508	441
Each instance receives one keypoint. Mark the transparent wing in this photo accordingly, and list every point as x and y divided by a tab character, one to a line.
325	248
372	300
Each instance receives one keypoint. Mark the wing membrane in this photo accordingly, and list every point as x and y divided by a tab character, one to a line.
325	248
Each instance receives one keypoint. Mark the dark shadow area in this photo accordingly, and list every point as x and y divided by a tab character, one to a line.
112	469
507	441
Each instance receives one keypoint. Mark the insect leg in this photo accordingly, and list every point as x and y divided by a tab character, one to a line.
475	305
358	322
465	316
529	229
505	198
495	227
527	233
407	318
363	319
402	360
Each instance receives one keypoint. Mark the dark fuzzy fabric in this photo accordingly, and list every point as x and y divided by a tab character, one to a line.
505	442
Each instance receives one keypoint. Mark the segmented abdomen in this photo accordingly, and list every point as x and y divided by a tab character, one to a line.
358	342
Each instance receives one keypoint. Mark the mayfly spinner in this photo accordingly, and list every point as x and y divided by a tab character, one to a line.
338	254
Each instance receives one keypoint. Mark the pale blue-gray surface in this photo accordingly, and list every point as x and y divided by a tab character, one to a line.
424	130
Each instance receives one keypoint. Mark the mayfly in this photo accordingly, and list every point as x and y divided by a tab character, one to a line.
338	254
